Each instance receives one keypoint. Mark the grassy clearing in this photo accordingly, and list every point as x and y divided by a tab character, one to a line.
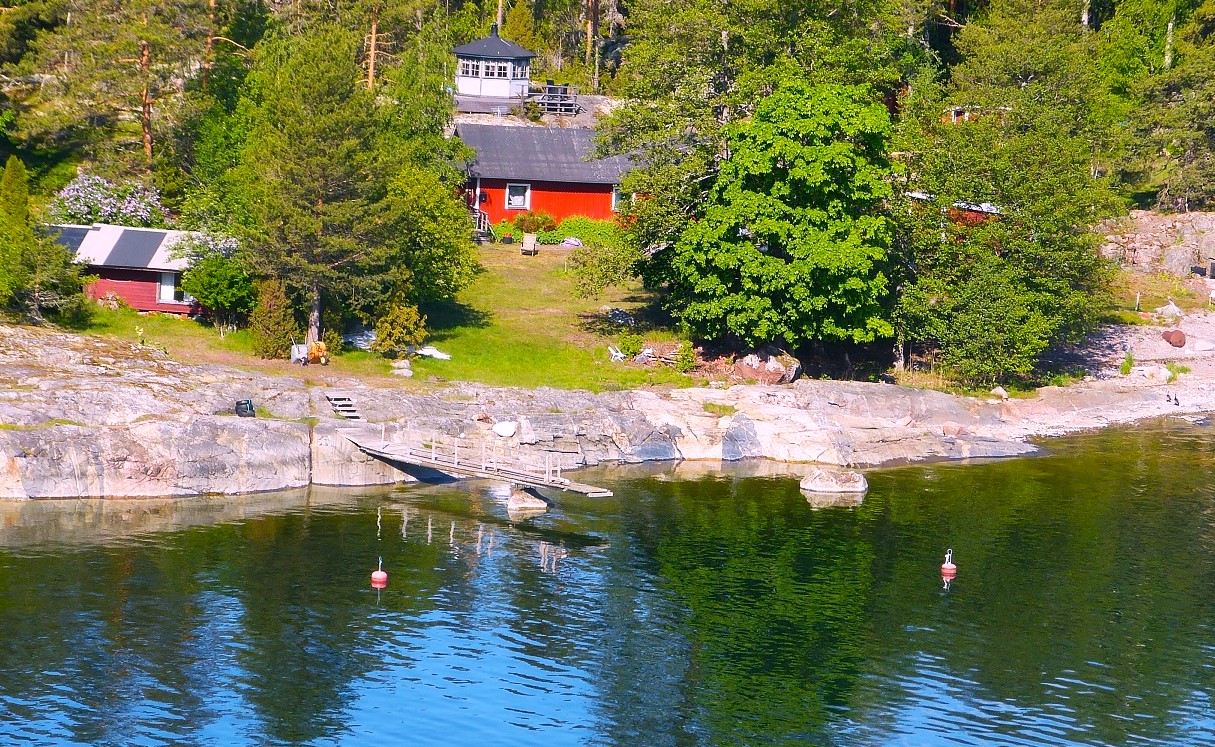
519	324
1152	291
190	341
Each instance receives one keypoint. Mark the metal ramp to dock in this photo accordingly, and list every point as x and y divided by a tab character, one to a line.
466	458
343	405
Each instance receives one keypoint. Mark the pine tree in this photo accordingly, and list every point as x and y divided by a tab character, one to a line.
111	62
318	173
272	322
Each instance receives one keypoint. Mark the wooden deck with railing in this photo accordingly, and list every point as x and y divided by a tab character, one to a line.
461	457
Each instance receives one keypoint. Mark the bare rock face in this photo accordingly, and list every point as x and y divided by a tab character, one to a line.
337	461
834	481
154	458
1159	242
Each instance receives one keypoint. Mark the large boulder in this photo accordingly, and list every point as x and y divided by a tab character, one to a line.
1174	337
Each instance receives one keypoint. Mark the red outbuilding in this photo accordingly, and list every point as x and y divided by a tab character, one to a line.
136	265
550	169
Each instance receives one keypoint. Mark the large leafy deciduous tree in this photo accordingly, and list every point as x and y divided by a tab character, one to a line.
992	292
793	244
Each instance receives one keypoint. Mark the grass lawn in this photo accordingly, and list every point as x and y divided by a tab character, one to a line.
518	324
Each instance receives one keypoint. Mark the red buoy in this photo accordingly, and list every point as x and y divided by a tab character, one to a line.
379	579
948	569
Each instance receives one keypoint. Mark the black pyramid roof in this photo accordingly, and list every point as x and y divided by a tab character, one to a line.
493	47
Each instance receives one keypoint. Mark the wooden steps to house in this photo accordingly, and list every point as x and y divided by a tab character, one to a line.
343	405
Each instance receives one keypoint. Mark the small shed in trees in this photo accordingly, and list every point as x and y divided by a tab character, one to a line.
136	265
493	67
552	169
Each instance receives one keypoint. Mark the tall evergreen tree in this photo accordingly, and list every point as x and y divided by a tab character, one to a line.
109	63
316	177
41	274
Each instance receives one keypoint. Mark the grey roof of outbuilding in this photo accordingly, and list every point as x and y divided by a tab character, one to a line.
548	154
493	47
104	245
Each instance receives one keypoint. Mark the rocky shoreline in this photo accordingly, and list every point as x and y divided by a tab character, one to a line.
88	417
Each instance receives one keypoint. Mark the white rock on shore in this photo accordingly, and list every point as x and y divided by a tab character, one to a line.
834	481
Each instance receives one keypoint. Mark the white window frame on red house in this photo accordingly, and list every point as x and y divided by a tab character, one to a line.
168	290
527	196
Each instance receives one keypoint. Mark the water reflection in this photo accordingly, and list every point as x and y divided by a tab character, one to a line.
700	608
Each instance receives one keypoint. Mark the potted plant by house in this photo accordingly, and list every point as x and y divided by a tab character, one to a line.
508	239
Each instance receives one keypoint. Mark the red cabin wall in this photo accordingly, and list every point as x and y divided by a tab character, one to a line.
558	199
140	289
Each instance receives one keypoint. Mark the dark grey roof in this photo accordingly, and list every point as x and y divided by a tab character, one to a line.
493	47
70	236
549	154
135	248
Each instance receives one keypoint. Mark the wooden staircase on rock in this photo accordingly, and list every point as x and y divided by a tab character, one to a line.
343	405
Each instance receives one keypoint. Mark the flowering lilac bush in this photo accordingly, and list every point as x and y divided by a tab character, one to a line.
91	199
199	245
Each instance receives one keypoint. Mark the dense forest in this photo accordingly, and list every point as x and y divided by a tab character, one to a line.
802	165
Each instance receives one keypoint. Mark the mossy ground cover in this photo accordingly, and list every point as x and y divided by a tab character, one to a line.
518	324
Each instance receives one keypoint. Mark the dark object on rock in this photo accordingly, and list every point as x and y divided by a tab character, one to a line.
244	408
1174	337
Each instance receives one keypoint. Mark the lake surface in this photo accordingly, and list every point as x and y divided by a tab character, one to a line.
692	609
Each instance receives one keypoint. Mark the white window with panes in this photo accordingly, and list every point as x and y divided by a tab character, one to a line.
470	68
518	196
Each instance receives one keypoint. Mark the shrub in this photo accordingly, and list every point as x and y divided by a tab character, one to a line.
91	199
506	227
631	345
272	324
535	221
222	287
587	230
401	328
334	343
685	358
1176	369
1127	364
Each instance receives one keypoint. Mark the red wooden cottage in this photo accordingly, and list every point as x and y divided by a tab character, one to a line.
135	264
540	168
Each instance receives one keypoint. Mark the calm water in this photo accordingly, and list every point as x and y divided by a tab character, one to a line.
691	609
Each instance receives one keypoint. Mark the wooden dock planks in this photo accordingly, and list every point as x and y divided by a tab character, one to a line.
463	458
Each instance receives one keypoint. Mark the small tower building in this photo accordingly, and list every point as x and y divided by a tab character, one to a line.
493	67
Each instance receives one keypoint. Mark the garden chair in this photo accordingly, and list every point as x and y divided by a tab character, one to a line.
529	244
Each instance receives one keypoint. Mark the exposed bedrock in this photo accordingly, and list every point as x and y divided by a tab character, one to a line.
81	417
